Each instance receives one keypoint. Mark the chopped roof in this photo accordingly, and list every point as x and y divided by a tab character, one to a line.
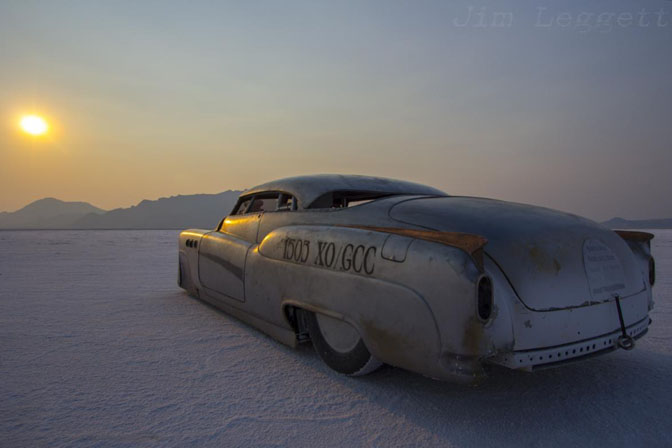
308	188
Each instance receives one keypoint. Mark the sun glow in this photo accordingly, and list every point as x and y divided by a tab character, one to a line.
34	125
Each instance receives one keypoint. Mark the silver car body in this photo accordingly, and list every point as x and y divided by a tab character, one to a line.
406	265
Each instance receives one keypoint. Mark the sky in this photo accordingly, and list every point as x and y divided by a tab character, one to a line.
564	104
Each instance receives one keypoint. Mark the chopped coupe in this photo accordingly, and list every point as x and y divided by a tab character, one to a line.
375	270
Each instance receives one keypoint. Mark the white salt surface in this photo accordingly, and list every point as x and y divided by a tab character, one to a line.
98	347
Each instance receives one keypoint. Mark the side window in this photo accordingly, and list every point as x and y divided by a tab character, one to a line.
264	203
286	202
242	207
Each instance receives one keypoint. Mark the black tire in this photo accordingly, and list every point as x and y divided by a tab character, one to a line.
355	362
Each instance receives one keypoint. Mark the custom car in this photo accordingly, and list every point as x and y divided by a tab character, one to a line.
373	270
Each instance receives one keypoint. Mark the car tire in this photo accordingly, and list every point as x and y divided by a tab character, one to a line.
339	345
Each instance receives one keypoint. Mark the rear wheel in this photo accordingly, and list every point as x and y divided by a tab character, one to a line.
339	345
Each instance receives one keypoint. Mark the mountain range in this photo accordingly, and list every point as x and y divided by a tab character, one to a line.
175	212
620	223
48	213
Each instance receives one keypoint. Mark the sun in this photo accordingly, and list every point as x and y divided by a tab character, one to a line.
34	125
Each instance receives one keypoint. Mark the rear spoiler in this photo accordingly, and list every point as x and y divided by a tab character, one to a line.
631	235
643	240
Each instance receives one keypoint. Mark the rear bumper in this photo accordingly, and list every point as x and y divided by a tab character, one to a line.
561	354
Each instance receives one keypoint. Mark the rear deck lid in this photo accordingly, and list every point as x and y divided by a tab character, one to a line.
554	260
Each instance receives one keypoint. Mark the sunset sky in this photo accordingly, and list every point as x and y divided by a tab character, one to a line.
561	104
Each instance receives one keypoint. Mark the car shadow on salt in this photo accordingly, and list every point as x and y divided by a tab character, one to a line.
618	399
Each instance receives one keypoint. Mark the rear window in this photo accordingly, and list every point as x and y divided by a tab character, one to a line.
345	199
286	202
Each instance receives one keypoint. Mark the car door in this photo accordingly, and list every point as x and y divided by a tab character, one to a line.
222	253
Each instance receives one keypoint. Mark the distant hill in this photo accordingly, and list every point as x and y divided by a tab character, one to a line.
47	213
176	212
620	223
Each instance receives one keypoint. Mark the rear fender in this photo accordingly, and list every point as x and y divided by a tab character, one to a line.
339	272
407	297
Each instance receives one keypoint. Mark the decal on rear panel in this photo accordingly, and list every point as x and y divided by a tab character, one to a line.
604	270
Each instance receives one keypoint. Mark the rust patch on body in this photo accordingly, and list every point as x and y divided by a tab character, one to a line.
392	346
473	336
543	262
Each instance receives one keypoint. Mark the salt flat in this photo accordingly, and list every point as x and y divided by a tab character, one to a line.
98	347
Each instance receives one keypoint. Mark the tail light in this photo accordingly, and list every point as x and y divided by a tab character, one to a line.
652	271
485	299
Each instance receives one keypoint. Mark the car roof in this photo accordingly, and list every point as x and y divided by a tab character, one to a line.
308	188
